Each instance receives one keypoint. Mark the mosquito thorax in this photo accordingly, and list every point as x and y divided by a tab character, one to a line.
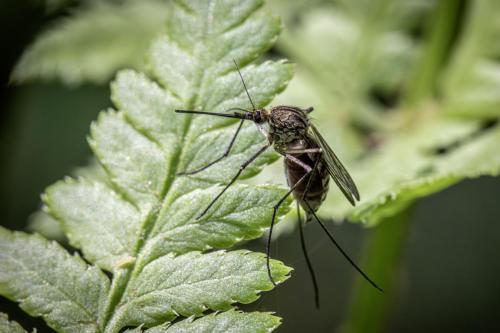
287	123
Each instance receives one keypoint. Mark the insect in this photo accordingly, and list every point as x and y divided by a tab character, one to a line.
309	163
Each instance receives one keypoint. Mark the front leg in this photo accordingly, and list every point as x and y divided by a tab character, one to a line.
226	153
242	167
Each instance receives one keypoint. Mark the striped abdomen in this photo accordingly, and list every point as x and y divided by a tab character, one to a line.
318	187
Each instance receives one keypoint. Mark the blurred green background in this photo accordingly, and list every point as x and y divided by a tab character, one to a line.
365	66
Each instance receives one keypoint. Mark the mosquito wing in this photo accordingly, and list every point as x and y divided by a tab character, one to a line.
335	168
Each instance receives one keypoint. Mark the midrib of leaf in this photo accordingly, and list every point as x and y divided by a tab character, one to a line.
122	276
192	102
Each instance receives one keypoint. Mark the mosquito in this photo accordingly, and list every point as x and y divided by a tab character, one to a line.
309	163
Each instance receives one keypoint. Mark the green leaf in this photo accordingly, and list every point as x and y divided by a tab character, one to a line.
144	145
99	221
91	171
47	281
472	79
9	326
225	322
135	217
436	153
47	226
346	52
94	42
191	283
243	215
350	49
373	51
55	5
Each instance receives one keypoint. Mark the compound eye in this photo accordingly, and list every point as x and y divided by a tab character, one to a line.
257	117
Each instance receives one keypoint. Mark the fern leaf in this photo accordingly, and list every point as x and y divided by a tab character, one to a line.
423	150
136	218
49	282
226	322
472	79
437	153
94	42
191	283
9	326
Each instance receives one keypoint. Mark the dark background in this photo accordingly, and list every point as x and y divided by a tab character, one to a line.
449	274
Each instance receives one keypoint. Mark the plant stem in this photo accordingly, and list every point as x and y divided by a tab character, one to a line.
439	37
369	308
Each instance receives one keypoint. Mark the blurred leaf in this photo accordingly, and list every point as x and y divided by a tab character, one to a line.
304	90
472	79
436	153
94	42
55	5
347	52
9	326
225	322
351	49
134	217
428	153
291	10
47	226
360	46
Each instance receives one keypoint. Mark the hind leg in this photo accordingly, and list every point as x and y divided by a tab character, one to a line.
306	256
308	171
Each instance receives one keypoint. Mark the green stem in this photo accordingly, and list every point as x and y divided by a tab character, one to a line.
439	36
369	308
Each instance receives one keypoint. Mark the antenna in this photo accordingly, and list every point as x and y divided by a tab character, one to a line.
244	85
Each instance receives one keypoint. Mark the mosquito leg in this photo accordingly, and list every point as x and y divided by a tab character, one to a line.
308	170
308	185
309	264
242	167
337	245
302	239
304	151
226	153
